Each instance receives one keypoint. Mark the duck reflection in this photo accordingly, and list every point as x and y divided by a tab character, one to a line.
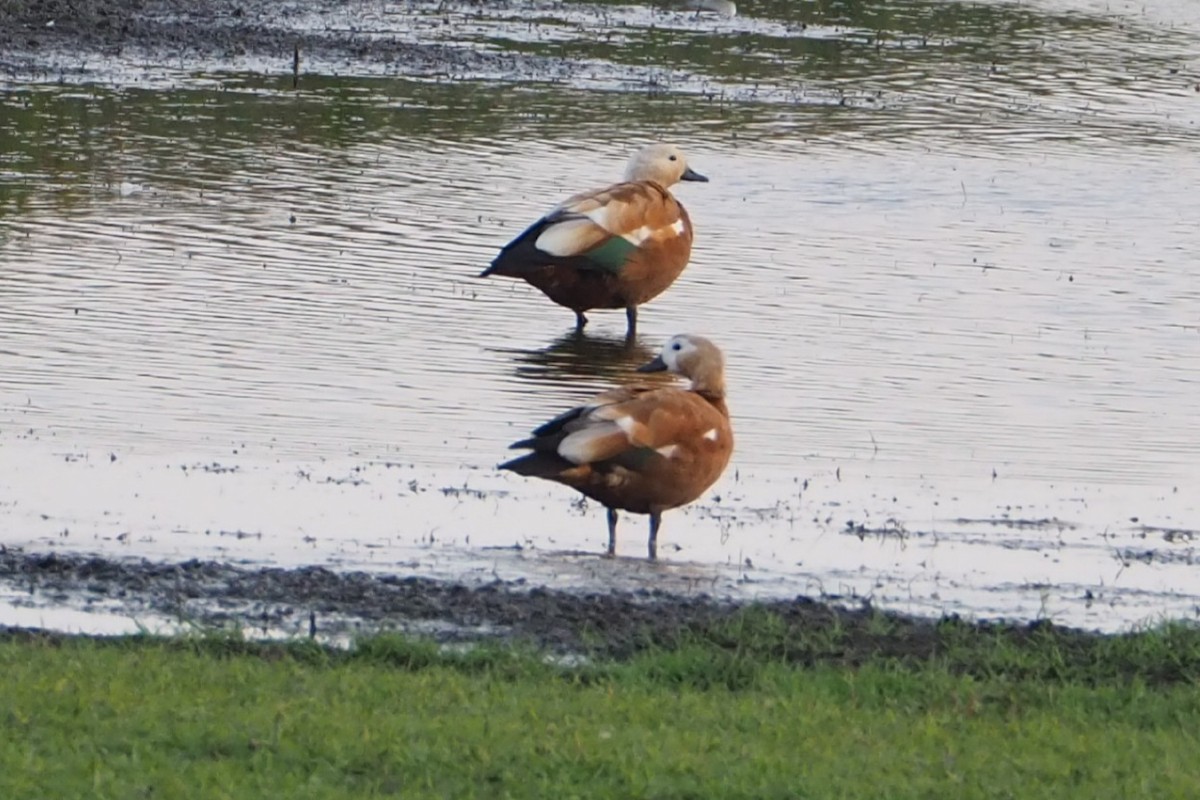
577	358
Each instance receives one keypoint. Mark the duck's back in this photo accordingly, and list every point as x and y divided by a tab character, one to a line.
610	248
677	444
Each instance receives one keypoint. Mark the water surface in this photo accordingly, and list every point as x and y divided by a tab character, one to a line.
949	249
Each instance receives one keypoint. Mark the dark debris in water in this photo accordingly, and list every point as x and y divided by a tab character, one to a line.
1171	535
890	529
1129	555
1020	523
215	468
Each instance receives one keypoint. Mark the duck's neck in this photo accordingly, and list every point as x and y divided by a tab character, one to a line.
710	384
648	177
717	402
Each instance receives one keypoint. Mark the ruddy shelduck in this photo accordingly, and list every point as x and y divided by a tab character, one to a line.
617	247
644	449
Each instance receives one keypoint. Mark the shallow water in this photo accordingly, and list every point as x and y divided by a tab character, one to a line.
953	267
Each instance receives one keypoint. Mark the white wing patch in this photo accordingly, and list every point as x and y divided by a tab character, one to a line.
711	434
600	216
627	424
667	451
645	232
563	238
640	235
578	447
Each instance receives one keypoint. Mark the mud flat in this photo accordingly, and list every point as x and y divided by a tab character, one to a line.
55	36
299	600
338	606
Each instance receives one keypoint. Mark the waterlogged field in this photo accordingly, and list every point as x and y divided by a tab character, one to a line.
948	248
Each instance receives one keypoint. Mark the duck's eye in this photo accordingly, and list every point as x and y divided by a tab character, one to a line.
672	158
677	346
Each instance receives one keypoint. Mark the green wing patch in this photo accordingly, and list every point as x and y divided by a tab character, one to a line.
612	255
636	458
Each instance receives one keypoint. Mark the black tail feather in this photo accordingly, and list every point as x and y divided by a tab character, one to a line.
557	424
537	465
520	254
542	442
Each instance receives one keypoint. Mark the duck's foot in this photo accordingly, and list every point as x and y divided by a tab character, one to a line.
580	321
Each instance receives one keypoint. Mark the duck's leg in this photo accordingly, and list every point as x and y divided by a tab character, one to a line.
631	318
612	533
655	521
580	321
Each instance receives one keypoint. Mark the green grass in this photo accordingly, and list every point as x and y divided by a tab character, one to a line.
726	714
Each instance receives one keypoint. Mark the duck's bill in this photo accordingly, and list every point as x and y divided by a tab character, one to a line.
657	365
690	174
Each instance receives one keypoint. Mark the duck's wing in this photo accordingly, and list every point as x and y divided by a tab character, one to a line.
547	435
598	230
644	424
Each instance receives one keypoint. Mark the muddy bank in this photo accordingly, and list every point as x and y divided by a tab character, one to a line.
58	35
616	624
211	593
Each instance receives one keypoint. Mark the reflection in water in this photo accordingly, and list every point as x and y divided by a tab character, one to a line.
583	359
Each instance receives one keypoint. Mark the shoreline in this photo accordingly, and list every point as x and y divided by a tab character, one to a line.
299	602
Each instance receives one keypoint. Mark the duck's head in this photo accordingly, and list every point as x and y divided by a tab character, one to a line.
693	357
664	164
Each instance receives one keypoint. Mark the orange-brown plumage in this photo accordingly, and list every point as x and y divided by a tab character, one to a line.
616	247
642	449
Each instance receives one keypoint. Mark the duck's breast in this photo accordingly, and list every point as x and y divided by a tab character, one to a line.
659	259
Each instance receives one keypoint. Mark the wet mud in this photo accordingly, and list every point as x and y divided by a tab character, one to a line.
59	35
315	601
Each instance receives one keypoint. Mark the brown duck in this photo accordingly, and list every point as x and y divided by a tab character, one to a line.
617	247
643	449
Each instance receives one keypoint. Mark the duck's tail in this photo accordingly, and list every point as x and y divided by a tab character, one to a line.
538	465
